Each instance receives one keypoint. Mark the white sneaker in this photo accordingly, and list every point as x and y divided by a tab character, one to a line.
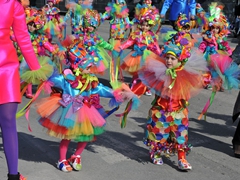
157	160
148	93
184	165
76	162
64	166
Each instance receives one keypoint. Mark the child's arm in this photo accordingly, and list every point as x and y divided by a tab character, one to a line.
103	91
105	16
104	44
127	43
202	47
227	48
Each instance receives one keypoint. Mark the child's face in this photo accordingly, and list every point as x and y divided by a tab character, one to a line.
148	2
80	1
145	26
50	4
171	61
91	29
31	27
215	30
186	29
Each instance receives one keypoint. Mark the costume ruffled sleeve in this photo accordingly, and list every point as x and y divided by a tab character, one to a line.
102	43
127	44
41	74
103	91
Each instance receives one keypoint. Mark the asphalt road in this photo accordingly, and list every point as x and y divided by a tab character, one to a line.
119	154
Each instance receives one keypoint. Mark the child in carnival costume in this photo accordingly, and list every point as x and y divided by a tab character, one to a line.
214	37
182	37
75	13
76	113
174	82
53	26
144	42
35	21
117	12
95	45
40	41
148	4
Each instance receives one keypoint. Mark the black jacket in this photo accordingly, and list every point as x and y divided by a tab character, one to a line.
237	10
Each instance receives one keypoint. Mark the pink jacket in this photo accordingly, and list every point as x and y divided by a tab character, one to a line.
13	16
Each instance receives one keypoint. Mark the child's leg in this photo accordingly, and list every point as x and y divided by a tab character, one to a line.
75	159
63	164
80	147
182	162
63	149
29	91
155	154
181	154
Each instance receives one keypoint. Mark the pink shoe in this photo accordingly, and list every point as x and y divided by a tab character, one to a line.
22	177
75	161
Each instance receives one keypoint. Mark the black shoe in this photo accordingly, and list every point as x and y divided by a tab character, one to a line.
237	151
14	176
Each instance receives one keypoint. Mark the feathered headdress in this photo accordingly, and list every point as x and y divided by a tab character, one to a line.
216	16
182	22
35	16
91	18
145	13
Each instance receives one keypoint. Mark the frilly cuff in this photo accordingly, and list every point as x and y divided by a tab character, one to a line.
122	92
117	99
40	75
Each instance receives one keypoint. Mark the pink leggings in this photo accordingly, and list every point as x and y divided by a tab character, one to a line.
9	135
64	147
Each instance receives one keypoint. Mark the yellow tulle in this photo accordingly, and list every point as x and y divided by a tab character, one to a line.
40	75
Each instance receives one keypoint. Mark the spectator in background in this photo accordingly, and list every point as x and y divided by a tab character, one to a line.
187	7
236	110
237	20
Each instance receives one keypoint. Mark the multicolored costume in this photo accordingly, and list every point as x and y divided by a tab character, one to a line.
53	27
182	37
117	12
145	44
40	41
167	125
214	43
148	4
94	44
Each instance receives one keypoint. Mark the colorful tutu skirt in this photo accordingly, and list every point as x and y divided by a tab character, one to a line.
77	120
134	60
